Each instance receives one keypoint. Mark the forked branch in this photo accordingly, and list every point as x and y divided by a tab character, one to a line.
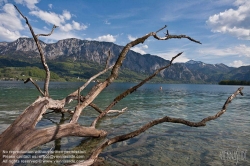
45	65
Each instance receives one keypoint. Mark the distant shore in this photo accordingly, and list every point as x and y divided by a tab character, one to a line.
234	82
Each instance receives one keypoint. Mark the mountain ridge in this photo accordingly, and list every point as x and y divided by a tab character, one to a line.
76	50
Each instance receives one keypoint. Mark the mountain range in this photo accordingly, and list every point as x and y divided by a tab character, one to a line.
23	52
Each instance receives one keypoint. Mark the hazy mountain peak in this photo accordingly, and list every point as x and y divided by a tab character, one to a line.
193	62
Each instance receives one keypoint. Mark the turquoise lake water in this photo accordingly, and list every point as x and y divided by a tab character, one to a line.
164	144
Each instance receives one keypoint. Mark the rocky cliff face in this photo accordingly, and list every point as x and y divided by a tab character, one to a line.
84	50
75	49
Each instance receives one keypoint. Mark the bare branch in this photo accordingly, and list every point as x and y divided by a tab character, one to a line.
230	98
168	36
135	133
131	90
175	37
95	107
20	13
45	65
161	29
37	87
79	96
52	30
117	111
72	95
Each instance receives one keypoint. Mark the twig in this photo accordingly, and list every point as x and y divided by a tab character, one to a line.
52	30
161	29
168	36
117	111
37	87
95	107
79	96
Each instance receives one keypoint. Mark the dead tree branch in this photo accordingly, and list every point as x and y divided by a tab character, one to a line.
23	128
52	30
135	133
131	90
73	95
117	111
95	107
114	73
37	87
45	65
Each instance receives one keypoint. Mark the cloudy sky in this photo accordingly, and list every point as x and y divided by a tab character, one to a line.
223	26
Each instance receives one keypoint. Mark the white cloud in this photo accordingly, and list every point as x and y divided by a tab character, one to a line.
49	17
233	21
131	38
236	63
7	35
78	26
140	49
10	23
240	50
215	51
74	26
57	35
66	27
31	4
66	14
169	55
107	22
52	17
107	38
50	6
59	20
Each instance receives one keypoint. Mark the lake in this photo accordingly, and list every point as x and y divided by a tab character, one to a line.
224	141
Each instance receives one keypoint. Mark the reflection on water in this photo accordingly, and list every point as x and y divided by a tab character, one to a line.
164	144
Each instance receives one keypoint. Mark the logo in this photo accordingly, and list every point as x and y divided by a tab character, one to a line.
235	155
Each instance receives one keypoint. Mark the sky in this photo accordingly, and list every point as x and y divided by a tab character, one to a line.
222	26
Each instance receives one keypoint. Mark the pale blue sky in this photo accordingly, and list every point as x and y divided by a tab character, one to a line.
223	26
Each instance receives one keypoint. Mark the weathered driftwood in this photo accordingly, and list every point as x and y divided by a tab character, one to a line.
135	133
22	134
